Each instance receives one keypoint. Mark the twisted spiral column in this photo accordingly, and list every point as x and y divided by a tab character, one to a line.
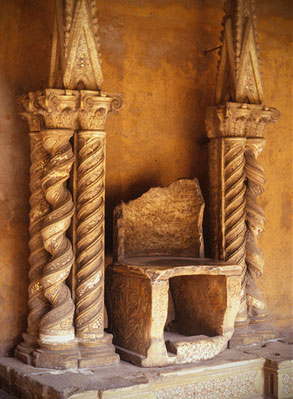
57	325
234	210
90	235
255	225
37	303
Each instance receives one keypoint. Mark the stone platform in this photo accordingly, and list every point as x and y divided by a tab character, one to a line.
231	374
252	373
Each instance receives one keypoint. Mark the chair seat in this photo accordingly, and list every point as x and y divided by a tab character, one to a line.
178	265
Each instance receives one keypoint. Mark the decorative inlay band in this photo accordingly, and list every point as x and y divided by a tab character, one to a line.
236	387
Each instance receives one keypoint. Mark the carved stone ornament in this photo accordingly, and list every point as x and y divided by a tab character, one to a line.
236	128
239	74
67	121
75	61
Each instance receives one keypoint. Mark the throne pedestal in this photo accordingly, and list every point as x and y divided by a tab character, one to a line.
205	294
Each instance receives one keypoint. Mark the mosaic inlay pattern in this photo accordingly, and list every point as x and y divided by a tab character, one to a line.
287	384
235	387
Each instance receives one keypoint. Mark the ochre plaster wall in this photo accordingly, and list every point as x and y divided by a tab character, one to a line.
153	53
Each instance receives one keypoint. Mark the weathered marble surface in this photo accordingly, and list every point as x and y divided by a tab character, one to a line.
163	221
278	368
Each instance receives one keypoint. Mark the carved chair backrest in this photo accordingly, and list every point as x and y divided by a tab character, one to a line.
162	222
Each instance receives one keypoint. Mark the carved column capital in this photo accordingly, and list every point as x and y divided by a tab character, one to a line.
259	119
29	111
58	108
95	108
239	120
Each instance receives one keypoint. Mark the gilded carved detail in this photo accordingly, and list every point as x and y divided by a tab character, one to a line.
90	234
38	257
57	324
37	303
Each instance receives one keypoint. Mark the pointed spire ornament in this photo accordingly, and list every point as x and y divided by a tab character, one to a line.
75	58
239	69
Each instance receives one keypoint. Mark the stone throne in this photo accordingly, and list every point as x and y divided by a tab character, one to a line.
158	255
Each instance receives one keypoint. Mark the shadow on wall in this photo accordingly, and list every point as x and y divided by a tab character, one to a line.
14	208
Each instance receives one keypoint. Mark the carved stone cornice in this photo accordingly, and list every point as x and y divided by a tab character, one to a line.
239	120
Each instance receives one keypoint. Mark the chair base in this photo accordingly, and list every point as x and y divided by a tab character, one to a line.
206	298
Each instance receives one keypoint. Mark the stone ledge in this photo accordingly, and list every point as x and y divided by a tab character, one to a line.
236	374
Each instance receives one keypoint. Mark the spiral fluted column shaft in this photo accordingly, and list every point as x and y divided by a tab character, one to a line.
234	205
90	235
57	325
37	303
255	224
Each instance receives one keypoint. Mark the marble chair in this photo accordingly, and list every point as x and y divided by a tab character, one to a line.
166	303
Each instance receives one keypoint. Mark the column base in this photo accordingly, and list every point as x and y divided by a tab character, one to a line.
256	333
24	351
100	352
57	356
265	329
74	354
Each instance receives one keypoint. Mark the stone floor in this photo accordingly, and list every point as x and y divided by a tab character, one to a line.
232	374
